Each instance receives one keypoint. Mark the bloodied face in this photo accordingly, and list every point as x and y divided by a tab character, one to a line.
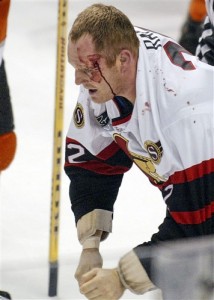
92	71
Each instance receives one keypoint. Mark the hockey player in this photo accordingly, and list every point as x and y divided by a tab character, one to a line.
143	99
7	134
193	26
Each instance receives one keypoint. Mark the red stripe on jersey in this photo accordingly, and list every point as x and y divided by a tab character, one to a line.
70	140
121	121
193	217
108	151
192	173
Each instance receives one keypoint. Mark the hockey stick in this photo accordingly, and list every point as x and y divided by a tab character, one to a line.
57	156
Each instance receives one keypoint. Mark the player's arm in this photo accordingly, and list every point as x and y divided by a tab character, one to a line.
92	201
94	185
187	217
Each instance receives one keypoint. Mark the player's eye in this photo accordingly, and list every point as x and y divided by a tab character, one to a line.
96	66
90	71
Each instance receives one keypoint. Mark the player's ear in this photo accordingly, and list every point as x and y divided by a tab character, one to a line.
126	58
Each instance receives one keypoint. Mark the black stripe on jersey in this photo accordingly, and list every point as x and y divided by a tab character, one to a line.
194	217
191	205
192	196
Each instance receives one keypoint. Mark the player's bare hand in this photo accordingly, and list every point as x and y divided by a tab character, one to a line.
89	259
102	284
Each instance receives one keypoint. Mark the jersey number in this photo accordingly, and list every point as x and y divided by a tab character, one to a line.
79	151
175	54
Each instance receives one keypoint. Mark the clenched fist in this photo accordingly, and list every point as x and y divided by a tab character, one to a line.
89	259
102	284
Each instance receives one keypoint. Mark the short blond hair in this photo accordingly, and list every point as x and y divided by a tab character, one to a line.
110	29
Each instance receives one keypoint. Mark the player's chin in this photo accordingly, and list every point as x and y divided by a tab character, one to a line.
96	98
94	95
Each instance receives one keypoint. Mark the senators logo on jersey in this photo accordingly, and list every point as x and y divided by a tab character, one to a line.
155	151
146	164
78	116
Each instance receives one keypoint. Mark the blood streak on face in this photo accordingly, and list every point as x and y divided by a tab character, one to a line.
97	74
92	66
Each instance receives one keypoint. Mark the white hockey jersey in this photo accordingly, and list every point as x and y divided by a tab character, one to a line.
168	133
171	119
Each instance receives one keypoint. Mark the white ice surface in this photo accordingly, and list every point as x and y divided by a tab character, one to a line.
25	188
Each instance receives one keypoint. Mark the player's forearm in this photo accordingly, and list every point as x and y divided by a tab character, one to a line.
92	228
133	275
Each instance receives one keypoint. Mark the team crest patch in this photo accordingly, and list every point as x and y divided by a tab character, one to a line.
78	116
155	151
